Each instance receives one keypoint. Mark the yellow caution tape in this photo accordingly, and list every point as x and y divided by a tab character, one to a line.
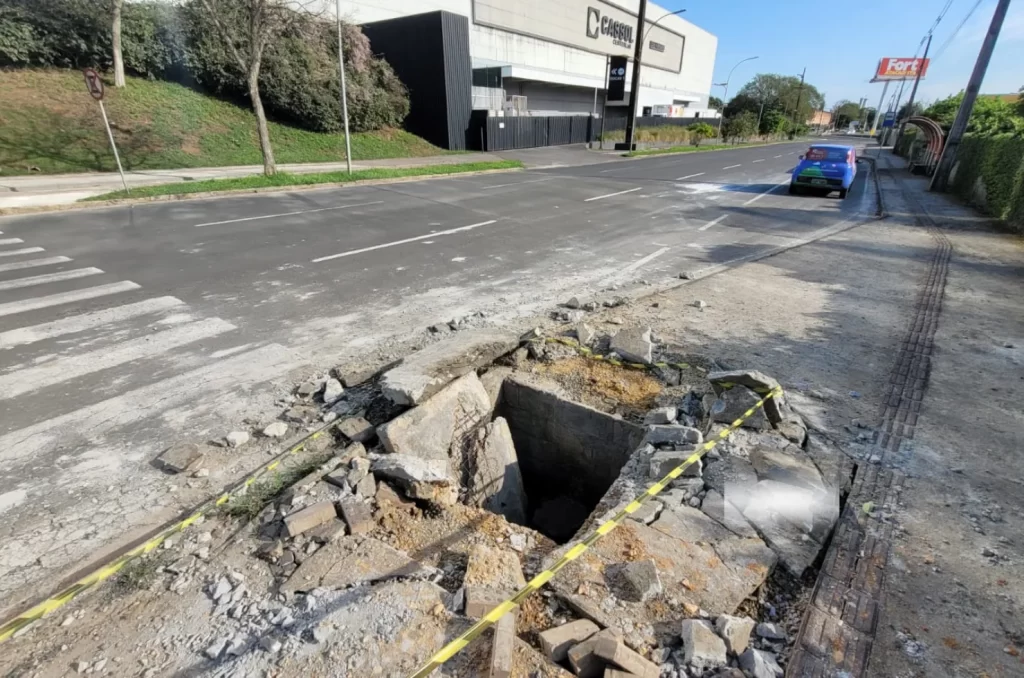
453	648
105	571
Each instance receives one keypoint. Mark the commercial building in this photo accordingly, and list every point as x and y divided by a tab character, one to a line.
535	57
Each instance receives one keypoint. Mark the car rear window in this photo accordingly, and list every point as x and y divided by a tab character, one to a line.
832	154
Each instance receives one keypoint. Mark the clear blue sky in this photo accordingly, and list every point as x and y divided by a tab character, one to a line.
841	43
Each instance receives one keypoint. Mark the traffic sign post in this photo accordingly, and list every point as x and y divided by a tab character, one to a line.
94	85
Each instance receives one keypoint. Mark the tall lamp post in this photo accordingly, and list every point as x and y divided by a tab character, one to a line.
637	53
725	94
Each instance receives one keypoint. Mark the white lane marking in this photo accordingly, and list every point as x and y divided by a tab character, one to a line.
458	259
18	265
147	401
731	166
10	241
71	367
778	156
13	307
640	262
48	278
763	194
289	214
761	160
690	176
517	183
450	231
793	153
712	223
609	195
86	321
23	250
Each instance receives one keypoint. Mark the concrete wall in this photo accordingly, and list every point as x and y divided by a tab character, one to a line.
564	447
533	49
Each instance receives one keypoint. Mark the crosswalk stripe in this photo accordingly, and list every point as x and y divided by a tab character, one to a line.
32	263
146	401
48	278
11	241
23	250
71	367
86	321
13	307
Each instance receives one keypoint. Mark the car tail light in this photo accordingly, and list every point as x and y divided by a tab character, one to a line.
849	157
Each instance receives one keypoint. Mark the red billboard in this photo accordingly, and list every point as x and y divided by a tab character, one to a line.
895	68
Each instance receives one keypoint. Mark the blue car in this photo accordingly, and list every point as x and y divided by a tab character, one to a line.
825	168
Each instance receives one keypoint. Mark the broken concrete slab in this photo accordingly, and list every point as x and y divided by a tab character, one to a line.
648	512
734	404
735	631
555	643
357	429
731	477
835	466
787	468
367	487
691	524
353	560
328	532
615	652
702	648
419	478
496	483
583	656
492	380
633	344
641	581
181	457
726	513
309	517
794	521
424	373
756	381
445	419
663	462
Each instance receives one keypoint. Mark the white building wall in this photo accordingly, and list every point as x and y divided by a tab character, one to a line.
558	63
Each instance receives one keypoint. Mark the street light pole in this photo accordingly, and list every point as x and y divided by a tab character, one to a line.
344	98
725	94
940	179
637	53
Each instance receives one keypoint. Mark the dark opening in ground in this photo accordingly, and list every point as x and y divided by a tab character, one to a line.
569	455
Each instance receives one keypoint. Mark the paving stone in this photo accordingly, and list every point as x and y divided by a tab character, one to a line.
583	657
735	631
702	649
613	650
181	457
734	403
759	664
425	372
555	642
480	600
352	560
672	435
309	517
661	415
641	580
502	646
338	478
633	344
327	532
357	429
367	487
307	389
617	673
357	515
496	483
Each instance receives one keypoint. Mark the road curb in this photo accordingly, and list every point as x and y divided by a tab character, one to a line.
206	195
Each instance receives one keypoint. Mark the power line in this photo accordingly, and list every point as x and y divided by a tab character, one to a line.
960	25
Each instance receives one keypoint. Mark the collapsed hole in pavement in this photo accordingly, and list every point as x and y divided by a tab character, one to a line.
569	455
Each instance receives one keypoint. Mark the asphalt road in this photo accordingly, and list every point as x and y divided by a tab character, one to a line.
125	329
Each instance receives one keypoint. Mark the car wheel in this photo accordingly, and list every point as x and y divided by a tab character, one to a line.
794	189
842	194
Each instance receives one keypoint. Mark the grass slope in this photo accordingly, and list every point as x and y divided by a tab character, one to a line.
285	179
49	122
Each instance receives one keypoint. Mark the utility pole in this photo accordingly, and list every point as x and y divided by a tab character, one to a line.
344	98
878	111
799	95
940	180
913	90
634	92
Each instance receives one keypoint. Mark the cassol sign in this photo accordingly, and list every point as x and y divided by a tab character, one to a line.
620	33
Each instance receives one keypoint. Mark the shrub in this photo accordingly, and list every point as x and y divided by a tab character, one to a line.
998	161
701	130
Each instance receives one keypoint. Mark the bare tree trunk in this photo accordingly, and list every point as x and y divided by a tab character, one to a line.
116	30
269	168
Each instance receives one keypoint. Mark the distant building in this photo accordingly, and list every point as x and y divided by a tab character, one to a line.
820	119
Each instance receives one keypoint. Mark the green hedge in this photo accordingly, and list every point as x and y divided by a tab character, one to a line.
999	162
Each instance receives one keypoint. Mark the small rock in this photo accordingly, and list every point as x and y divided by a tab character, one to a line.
333	390
735	631
770	631
642	580
590	306
276	430
307	389
237	438
573	303
617	320
81	667
584	333
328	417
297	415
181	457
221	589
988	553
661	415
700	303
759	664
215	649
701	647
270	644
517	541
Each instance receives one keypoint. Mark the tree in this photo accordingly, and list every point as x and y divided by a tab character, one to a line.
115	38
783	92
741	103
844	112
700	131
246	27
1020	103
740	126
906	110
990	115
715	103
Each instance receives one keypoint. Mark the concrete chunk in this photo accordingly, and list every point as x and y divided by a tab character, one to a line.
702	649
734	404
555	643
428	431
419	478
502	647
641	580
661	415
181	457
480	600
664	462
758	382
496	483
583	658
495	568
672	435
357	429
353	560
633	344
307	518
735	631
356	515
615	652
758	664
786	468
426	372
